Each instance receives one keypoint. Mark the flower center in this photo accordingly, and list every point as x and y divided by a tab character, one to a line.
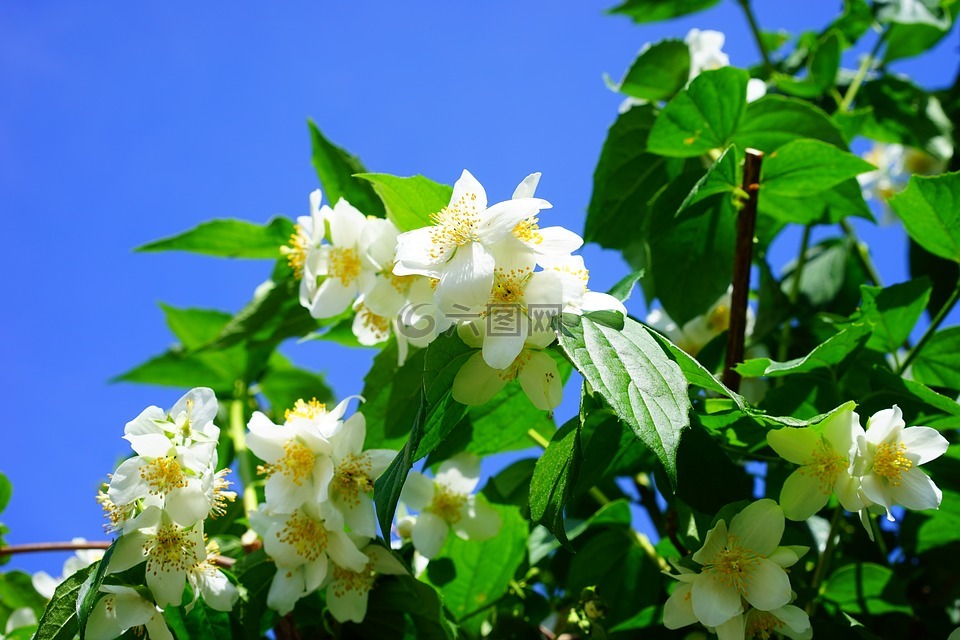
168	549
345	580
297	462
508	285
305	410
891	462
719	318
825	465
296	251
377	325
761	624
510	373
163	475
446	503
220	494
344	264
352	478
306	535
528	231
454	226
733	564
400	283
117	514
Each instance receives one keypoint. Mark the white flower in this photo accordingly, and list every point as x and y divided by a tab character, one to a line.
347	591
169	550
477	382
334	274
123	608
742	563
789	620
354	471
297	453
20	618
825	454
577	298
699	331
208	581
890	457
46	585
306	237
889	176
176	450
457	247
446	502
302	543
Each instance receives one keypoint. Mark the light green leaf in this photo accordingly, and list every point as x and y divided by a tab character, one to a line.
826	207
654	10
894	386
855	20
635	377
894	311
409	201
229	239
703	116
833	351
60	620
930	210
938	363
659	71
773	121
806	167
336	168
284	385
194	327
723	176
866	588
6	490
483	569
822	65
17	591
940	528
554	479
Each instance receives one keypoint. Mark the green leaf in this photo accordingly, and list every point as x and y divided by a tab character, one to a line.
6	490
641	384
16	592
826	207
806	167
229	239
284	386
866	588
484	569
943	275
646	617
255	573
893	311
930	210
90	589
178	368
854	21
908	40
938	363
396	598
912	12
624	288
409	201
626	180
654	10
387	488
659	72
194	327
773	121
904	113
336	168
940	528
392	396
703	116
894	386
723	176
696	373
822	65
60	620
554	478
833	351
700	461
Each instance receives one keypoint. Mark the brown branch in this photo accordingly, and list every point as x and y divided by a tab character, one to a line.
742	261
37	547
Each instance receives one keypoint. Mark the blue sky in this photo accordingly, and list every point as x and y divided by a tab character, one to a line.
125	122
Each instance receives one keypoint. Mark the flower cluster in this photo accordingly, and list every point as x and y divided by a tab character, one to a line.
741	588
318	521
868	470
490	270
158	501
895	164
446	502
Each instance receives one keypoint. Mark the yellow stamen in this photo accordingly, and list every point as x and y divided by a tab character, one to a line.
163	474
353	479
891	462
296	251
306	410
719	318
446	503
733	564
508	285
344	264
220	494
761	624
306	535
297	462
454	226
167	550
528	231
825	465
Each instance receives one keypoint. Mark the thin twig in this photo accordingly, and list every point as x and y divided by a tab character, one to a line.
785	334
823	563
39	547
757	35
742	261
932	329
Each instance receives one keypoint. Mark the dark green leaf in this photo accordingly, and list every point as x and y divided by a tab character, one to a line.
632	373
723	176
654	10
773	121
554	478
60	620
16	592
387	488
695	372
395	598
700	460
830	353
6	490
826	207
903	113
90	589
943	275
893	386
194	327
930	210
284	386
854	21
659	71
336	168
229	239
806	167
822	65
255	573
703	116
409	201
866	588
940	528
894	311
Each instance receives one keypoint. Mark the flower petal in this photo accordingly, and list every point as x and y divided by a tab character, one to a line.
794	445
528	187
540	380
344	552
333	298
314	572
480	521
460	473
714	600
713	544
417	492
759	526
477	382
287	587
802	495
766	585
429	534
923	444
347	605
884	425
916	491
501	349
732	629
678	610
467	279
